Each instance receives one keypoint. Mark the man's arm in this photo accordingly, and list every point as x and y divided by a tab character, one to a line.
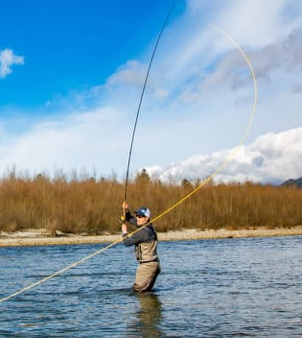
136	238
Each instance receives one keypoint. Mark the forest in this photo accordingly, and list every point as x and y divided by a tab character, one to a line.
90	206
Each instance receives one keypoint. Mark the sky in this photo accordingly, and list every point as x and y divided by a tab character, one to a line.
72	74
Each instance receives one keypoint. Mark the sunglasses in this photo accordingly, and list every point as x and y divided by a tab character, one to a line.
140	216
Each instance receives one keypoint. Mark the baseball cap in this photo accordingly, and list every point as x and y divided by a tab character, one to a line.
143	211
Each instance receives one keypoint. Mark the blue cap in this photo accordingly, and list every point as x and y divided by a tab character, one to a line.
143	211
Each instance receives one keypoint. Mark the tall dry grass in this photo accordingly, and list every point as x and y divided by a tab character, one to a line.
93	207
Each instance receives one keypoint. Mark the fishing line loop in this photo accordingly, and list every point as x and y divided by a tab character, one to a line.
203	183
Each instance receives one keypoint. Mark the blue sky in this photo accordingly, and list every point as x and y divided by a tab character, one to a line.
71	75
71	45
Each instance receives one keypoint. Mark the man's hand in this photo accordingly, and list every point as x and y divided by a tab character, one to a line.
125	206
123	218
124	228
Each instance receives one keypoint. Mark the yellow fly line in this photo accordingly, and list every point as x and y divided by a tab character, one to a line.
194	191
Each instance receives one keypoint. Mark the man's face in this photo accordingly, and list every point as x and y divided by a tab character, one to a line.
141	220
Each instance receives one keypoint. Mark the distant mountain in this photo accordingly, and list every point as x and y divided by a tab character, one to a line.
291	182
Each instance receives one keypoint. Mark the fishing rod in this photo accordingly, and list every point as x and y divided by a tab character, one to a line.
186	197
141	100
59	272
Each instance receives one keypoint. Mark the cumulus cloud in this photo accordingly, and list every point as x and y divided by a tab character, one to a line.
272	158
198	98
7	60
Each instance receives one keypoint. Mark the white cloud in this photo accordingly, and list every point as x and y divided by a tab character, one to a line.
259	23
132	73
71	142
198	100
272	158
7	60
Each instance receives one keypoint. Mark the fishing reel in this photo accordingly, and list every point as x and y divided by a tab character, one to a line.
122	220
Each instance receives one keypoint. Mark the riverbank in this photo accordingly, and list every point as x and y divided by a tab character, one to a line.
40	237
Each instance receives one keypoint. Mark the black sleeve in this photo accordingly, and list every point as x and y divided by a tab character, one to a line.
130	218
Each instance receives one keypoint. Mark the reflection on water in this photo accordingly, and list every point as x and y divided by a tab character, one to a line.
216	289
149	315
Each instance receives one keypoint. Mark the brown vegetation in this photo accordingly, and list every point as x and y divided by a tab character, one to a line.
93	207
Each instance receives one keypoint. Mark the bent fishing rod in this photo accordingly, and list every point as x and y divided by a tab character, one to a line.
141	100
189	195
59	272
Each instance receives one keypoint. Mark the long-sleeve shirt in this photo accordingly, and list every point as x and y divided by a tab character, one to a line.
145	241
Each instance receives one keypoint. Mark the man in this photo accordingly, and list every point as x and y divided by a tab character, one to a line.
145	241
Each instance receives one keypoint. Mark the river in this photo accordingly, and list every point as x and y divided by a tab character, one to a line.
249	287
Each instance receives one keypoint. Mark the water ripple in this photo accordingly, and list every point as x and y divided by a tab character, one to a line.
210	288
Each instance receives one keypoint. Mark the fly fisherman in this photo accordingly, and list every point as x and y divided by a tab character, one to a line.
145	241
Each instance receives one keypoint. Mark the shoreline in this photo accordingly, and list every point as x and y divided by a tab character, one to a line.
39	237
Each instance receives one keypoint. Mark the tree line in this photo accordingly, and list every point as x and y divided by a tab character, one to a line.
91	206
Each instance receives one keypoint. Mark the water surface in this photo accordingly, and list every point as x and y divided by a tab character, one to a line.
248	287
